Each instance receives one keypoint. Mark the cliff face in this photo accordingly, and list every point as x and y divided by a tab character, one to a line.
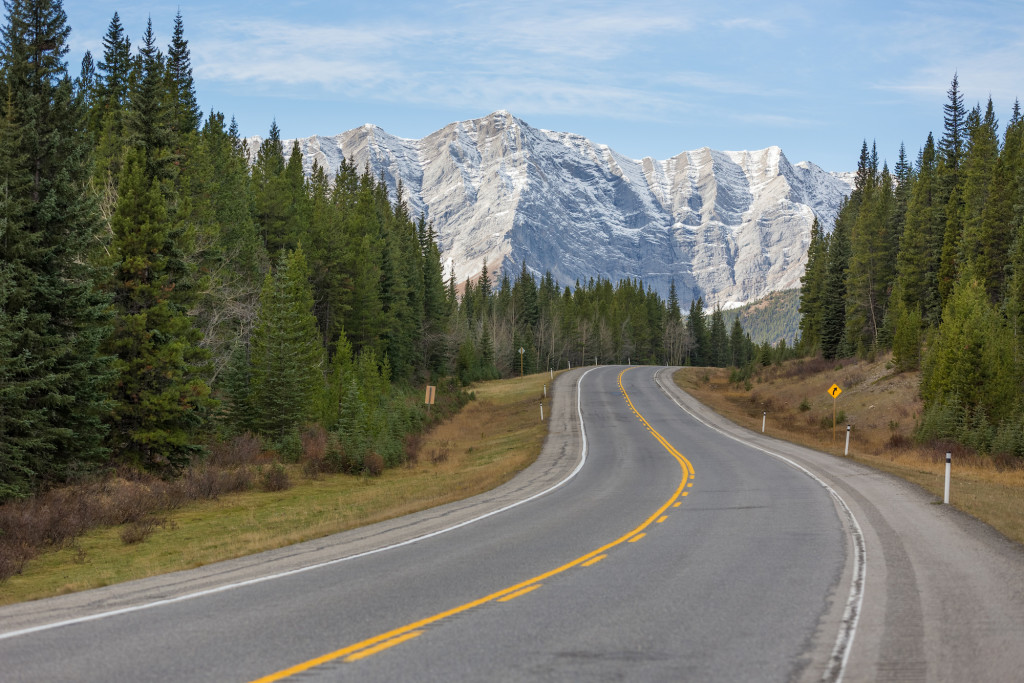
728	226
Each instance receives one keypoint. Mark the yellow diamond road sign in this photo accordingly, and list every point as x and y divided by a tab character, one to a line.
834	391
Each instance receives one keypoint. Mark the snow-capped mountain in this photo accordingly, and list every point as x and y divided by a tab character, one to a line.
728	226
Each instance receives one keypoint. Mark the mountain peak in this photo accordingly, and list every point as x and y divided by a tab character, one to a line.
727	226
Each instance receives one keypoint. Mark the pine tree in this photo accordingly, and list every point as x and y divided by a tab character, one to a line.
812	289
106	121
226	250
971	361
698	327
738	345
984	242
718	341
833	319
185	113
162	396
917	263
53	377
287	353
954	137
872	264
147	121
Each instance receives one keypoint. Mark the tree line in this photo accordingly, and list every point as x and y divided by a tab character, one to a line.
162	286
928	260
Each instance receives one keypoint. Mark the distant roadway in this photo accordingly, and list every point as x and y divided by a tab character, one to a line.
651	541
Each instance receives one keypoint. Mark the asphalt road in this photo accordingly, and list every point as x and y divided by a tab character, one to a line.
674	552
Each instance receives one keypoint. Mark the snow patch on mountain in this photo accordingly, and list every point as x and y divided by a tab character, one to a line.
730	226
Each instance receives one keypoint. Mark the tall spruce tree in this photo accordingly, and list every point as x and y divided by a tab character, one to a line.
162	396
185	113
53	377
833	319
287	354
812	289
917	263
984	242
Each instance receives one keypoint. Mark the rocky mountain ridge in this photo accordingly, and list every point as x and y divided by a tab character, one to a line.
728	226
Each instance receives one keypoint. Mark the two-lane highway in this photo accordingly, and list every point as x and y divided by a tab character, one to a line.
673	553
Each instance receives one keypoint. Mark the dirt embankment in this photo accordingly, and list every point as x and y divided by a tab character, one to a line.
882	409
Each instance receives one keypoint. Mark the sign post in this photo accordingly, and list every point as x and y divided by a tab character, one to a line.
429	398
834	392
521	352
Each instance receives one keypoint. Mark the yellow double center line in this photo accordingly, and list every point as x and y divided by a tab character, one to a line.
376	644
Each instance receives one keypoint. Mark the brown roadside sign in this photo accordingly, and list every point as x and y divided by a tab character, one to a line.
431	390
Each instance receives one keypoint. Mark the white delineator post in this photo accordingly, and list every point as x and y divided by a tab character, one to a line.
541	412
847	451
764	418
945	498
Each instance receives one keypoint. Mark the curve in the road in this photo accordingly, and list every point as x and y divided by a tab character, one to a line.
318	565
851	613
383	641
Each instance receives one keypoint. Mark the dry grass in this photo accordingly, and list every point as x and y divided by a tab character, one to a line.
486	444
882	409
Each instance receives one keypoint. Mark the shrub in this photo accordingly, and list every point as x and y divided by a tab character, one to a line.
289	446
805	405
440	452
374	463
242	449
139	530
275	478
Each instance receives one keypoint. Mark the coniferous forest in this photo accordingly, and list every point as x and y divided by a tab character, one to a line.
927	260
163	287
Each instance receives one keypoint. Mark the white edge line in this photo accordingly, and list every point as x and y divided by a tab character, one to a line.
319	565
851	614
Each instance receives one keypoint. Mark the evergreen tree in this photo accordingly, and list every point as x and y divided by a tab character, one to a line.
984	242
147	121
718	341
53	378
954	136
698	326
738	345
185	113
971	361
833	319
917	263
161	395
287	354
812	289
872	264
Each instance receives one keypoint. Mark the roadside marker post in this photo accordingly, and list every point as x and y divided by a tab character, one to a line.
945	497
847	451
521	352
541	412
764	418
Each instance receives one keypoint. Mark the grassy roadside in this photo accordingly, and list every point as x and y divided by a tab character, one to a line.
882	409
484	445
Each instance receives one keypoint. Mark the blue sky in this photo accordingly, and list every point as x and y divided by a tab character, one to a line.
646	78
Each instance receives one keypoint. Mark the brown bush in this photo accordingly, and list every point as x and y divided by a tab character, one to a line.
441	451
243	449
209	483
374	463
899	442
412	444
314	442
139	530
275	478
